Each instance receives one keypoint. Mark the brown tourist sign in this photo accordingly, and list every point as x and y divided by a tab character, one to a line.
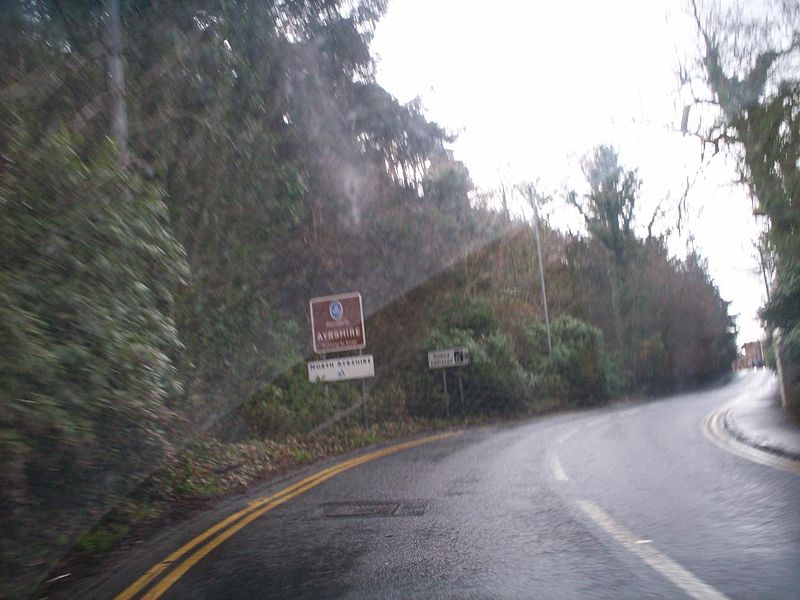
337	323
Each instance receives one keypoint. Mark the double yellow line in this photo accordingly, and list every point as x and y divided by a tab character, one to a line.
206	542
715	430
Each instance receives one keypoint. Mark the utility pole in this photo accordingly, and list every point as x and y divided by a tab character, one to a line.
532	199
116	81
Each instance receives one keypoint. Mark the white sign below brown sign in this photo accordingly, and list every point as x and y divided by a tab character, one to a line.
341	369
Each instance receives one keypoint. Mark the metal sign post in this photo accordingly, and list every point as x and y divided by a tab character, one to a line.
337	325
452	357
461	390
535	207
446	397
325	385
364	399
445	359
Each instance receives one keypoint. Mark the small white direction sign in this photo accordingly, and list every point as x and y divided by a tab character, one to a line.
340	369
452	357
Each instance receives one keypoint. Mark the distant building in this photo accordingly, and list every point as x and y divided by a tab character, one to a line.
752	356
739	363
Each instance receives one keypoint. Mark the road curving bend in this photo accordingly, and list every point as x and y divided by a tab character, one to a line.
620	502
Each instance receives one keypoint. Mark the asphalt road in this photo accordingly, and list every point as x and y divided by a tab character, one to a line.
622	502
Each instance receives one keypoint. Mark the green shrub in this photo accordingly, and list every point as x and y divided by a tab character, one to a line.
617	382
87	342
790	368
651	364
493	383
575	370
267	412
387	402
769	357
475	317
101	539
783	310
294	405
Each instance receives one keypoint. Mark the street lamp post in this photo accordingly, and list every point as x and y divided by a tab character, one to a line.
532	199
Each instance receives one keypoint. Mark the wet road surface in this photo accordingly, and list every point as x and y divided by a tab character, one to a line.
621	502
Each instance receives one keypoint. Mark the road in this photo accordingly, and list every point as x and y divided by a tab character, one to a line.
621	502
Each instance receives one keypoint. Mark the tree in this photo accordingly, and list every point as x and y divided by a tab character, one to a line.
253	162
748	63
608	211
609	207
88	342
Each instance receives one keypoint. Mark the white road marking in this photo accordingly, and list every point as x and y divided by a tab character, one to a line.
597	421
566	436
556	468
630	411
667	567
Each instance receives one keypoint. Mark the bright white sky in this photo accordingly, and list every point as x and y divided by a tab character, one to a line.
530	87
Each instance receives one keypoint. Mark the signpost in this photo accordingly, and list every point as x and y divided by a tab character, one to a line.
445	359
341	369
452	357
337	323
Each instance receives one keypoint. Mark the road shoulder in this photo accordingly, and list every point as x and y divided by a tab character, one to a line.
757	419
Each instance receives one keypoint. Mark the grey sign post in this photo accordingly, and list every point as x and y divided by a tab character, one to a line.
337	325
449	358
446	395
461	390
364	398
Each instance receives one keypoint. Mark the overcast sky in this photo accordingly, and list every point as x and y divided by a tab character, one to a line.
530	87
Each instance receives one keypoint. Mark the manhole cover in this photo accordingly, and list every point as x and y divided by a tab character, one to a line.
413	508
359	509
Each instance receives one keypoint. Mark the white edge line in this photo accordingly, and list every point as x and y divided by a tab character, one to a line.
567	435
597	421
556	468
667	567
629	411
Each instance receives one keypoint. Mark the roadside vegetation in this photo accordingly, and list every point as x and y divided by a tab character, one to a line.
746	75
164	225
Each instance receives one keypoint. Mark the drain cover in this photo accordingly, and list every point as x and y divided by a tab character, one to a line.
359	509
374	509
411	509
